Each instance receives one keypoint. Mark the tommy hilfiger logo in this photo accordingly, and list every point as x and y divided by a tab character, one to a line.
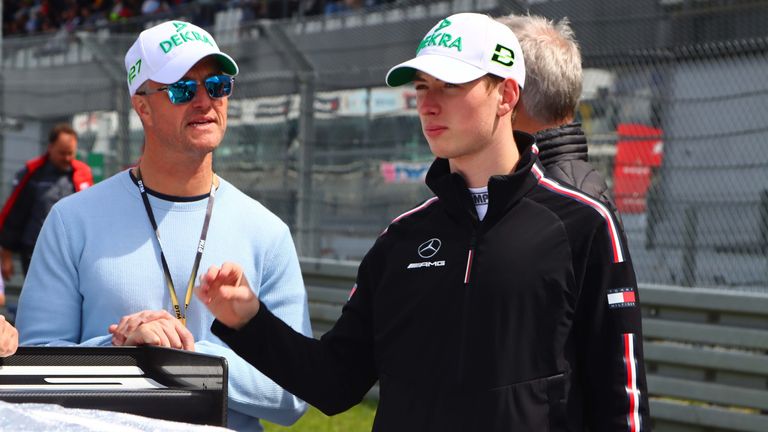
621	298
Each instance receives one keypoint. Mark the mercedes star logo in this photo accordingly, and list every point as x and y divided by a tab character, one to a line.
429	248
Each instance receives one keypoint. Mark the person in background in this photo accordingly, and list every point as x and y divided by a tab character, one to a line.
36	188
2	292
115	265
548	103
517	312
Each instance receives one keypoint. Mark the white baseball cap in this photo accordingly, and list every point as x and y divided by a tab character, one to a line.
165	52
462	48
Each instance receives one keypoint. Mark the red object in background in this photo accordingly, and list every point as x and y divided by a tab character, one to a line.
639	149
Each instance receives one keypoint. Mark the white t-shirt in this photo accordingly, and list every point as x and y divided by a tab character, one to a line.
480	198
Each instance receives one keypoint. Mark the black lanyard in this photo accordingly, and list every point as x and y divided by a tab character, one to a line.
198	256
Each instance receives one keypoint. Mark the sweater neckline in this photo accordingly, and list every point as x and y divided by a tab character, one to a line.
171	198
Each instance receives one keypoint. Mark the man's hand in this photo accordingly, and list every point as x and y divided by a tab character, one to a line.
129	323
225	291
6	263
152	328
9	338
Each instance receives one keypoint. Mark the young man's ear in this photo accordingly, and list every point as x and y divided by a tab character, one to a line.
510	94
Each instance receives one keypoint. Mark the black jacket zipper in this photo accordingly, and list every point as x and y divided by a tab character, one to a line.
465	306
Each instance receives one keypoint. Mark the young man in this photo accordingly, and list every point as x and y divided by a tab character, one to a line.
37	187
131	246
547	107
521	315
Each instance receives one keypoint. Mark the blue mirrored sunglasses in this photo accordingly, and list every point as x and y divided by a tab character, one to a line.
183	91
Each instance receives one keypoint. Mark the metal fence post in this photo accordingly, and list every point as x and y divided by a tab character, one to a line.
123	127
764	228
690	227
115	72
304	214
306	238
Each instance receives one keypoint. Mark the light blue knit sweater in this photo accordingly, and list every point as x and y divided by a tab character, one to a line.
97	259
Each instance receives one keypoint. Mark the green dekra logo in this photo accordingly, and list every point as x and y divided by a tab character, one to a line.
182	37
443	24
443	39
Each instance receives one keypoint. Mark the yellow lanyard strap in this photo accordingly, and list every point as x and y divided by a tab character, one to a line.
200	248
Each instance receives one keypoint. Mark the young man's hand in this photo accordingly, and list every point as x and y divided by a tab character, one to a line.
225	291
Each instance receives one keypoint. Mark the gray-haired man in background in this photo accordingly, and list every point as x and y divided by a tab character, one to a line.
548	104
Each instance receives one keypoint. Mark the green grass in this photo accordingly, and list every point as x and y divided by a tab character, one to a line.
357	419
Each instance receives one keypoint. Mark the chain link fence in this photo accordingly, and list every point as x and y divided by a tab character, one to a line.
675	105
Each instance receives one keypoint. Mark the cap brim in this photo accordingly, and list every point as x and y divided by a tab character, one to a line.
178	67
447	69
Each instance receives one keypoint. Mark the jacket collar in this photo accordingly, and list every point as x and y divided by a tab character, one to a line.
504	191
562	143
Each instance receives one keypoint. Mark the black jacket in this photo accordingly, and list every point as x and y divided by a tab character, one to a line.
563	152
526	321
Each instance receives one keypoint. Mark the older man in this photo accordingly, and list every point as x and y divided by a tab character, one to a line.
548	104
125	247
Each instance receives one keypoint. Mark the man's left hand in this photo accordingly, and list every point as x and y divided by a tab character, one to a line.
140	328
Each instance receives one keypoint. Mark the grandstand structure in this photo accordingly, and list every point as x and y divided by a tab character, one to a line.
675	105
